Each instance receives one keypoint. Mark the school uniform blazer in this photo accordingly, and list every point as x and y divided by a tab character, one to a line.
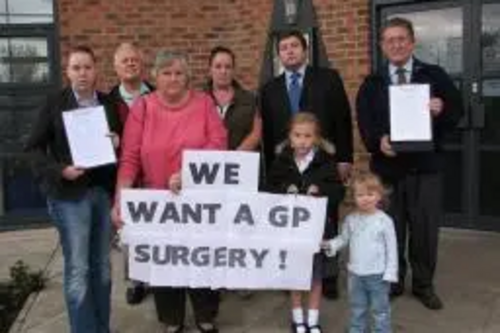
50	153
324	95
372	105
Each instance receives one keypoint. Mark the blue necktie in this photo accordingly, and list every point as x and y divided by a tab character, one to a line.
295	91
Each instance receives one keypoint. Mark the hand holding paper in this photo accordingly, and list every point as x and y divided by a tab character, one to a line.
88	132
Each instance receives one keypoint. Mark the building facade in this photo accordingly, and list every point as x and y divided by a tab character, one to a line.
463	36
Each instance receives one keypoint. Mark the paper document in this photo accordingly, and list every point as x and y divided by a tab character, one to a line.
87	131
410	114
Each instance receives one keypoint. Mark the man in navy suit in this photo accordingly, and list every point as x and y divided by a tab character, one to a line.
413	177
306	88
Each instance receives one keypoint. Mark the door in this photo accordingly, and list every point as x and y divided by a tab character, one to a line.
463	37
28	72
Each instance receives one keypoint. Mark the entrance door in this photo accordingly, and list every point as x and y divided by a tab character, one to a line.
464	38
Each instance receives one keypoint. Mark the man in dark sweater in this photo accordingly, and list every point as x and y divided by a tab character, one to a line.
413	177
128	64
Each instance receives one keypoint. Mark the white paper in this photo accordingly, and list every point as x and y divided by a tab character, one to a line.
277	226
87	131
226	170
410	115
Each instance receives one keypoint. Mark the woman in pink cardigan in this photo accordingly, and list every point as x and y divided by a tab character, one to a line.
160	127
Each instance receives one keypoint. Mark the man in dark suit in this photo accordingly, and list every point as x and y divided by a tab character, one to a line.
306	88
414	177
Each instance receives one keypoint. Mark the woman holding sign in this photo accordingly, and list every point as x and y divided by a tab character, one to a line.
159	128
78	198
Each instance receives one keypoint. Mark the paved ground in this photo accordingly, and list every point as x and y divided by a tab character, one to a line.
468	281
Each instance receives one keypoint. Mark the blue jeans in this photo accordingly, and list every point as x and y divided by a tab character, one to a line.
84	227
367	294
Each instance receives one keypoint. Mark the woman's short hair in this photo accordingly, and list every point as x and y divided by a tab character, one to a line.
221	49
165	58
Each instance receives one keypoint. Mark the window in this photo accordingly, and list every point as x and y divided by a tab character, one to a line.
26	11
24	60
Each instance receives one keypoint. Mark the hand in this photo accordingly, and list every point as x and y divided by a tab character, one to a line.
385	146
313	190
115	216
72	172
436	105
344	170
115	139
175	183
325	245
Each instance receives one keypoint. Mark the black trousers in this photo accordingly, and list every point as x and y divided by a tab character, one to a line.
416	207
171	304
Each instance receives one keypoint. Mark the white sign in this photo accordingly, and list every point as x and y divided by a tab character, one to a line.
218	239
203	169
410	112
88	136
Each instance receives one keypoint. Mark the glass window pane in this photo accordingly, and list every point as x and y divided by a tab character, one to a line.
28	47
439	43
491	37
25	19
30	72
3	6
30	6
4	72
4	47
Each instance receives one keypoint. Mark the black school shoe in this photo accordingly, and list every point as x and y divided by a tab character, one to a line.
314	329
135	294
295	327
429	299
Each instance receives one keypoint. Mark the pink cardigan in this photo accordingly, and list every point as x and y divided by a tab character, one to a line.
156	135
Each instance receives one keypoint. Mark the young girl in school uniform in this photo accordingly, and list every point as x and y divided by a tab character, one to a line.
306	165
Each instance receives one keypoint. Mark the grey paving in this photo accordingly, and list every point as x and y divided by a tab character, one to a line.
468	281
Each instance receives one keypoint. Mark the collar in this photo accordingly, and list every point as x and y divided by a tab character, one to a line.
408	67
143	89
304	163
86	102
301	71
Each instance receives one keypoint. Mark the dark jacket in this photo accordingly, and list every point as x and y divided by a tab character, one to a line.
324	95
121	106
239	116
373	120
322	172
50	151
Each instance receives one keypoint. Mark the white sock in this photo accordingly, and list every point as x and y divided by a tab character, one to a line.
298	315
312	317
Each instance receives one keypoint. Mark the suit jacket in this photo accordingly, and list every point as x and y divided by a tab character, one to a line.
324	95
50	153
373	120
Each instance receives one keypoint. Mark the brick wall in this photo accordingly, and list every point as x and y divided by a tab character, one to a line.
194	26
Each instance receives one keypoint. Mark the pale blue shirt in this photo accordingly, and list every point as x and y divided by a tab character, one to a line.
129	98
85	103
372	245
288	76
408	67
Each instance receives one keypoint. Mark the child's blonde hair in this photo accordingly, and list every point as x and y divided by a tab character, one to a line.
372	183
306	118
